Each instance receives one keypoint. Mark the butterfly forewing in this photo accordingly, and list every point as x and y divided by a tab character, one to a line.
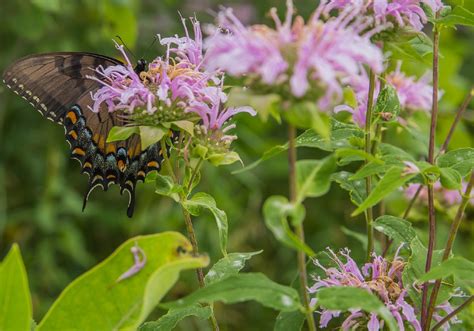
57	85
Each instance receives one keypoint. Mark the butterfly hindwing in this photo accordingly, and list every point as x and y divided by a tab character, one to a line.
56	85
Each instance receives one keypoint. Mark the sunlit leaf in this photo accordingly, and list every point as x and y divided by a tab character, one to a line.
396	228
166	186
457	266
15	300
121	133
450	179
461	159
150	135
314	177
356	188
123	305
227	266
458	16
187	126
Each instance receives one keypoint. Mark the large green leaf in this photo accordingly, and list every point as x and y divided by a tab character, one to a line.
314	177
387	106
289	320
450	178
15	300
201	201
392	180
244	287
458	16
276	212
356	188
124	305
396	228
458	267
171	319
461	159
345	298
122	133
150	135
227	266
166	186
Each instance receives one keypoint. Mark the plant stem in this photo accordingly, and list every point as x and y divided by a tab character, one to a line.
190	230
193	175
449	245
369	217
453	313
299	228
431	208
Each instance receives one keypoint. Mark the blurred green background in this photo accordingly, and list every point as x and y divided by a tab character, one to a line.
41	190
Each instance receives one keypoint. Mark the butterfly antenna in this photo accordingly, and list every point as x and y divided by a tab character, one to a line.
126	47
151	45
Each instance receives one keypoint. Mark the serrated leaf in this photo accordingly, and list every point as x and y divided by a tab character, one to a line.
344	298
450	179
15	299
458	267
150	135
174	316
121	133
395	228
392	180
123	305
292	320
227	266
244	287
313	177
356	188
387	106
461	159
166	186
276	212
201	201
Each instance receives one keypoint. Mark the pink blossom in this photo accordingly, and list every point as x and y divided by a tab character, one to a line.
445	196
380	277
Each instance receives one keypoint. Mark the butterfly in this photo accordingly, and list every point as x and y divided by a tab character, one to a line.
58	87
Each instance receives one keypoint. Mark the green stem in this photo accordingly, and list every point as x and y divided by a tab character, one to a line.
449	245
193	176
190	230
431	153
299	228
368	149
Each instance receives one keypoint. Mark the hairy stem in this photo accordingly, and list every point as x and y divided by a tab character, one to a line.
299	228
190	230
431	151
449	245
368	149
453	313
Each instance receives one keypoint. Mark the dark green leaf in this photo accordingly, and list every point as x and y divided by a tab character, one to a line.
292	320
276	211
356	188
227	266
345	298
461	159
458	267
174	316
396	228
314	177
244	287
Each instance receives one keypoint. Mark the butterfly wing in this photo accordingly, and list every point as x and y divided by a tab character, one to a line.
56	85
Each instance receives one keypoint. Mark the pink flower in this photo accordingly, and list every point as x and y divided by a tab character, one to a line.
380	277
445	196
323	51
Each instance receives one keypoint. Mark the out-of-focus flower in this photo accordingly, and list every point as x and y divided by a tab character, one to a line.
401	12
413	94
380	277
295	55
445	196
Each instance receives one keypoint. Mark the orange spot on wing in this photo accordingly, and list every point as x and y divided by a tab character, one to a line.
153	164
78	151
110	148
73	134
87	165
72	116
121	165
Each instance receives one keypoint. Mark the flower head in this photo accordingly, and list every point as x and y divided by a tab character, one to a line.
380	277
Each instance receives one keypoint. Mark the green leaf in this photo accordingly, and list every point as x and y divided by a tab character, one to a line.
450	179
244	287
48	5
415	268
218	159
345	298
201	201
342	135
458	16
166	186
356	188
394	155
276	211
458	267
106	304
150	135
122	133
306	115
392	180
15	300
187	177
174	316
227	266
292	320
370	169
313	177
461	159
187	126
349	155
387	106
396	228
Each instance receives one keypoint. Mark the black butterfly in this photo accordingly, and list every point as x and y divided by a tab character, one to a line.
56	85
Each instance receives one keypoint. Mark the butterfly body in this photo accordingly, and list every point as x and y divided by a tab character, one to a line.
60	87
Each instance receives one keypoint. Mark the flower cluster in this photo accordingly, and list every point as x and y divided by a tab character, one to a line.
295	55
400	12
173	88
380	277
414	94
